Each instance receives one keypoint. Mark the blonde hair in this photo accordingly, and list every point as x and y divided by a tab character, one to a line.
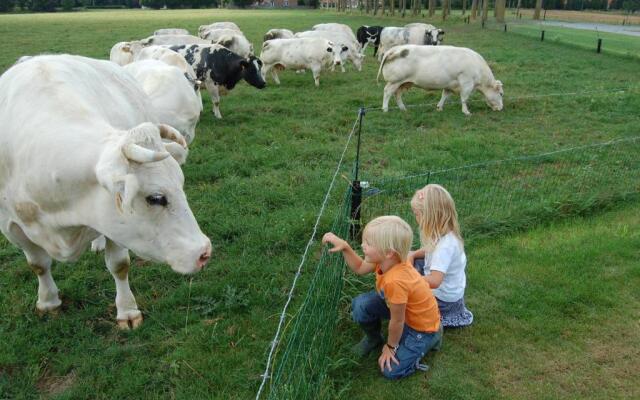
437	215
389	233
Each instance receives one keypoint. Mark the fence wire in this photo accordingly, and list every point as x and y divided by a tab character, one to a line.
514	194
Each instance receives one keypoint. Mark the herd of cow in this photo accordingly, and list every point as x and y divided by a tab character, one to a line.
99	162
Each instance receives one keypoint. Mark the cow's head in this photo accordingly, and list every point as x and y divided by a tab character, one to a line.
335	52
431	37
493	95
252	72
143	206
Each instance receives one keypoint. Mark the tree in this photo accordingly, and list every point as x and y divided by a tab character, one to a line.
67	5
6	5
474	9
500	8
536	13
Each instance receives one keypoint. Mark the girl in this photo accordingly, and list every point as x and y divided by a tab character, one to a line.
441	258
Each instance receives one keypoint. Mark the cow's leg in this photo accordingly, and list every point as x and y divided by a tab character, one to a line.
274	75
98	244
445	95
117	260
40	263
375	50
465	91
214	92
403	88
364	47
389	90
315	69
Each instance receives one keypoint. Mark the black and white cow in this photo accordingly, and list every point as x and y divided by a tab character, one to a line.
221	69
369	35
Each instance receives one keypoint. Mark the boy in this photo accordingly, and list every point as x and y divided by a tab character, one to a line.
401	295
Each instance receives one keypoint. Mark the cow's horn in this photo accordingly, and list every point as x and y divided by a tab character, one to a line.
139	154
171	133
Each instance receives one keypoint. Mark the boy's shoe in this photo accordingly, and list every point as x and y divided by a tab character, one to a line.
372	339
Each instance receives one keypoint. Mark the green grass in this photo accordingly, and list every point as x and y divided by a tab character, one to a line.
612	43
256	180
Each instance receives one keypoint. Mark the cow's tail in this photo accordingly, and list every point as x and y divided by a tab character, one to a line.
384	58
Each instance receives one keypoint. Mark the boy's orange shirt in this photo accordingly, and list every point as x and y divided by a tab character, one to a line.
402	284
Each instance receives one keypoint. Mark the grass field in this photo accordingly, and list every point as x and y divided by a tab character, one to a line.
556	308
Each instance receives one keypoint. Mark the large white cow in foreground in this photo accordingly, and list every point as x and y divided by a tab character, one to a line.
452	69
173	97
299	53
81	155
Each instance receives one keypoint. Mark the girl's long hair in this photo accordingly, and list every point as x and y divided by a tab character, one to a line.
437	215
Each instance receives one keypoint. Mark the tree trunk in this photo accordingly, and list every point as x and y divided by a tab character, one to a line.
392	7
432	7
485	9
403	4
536	13
375	7
518	8
474	9
500	10
445	9
464	6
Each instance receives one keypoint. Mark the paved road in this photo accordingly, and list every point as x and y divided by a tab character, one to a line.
631	30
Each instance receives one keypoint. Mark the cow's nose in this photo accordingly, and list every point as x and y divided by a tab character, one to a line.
204	257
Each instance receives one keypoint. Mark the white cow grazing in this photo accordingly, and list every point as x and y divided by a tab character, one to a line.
278	34
91	161
299	53
350	50
435	36
395	36
335	27
169	57
172	96
171	31
231	39
123	53
218	25
173	40
452	69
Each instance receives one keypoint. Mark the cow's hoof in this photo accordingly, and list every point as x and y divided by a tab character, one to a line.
132	323
48	307
439	109
385	110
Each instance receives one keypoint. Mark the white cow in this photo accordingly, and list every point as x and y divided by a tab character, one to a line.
91	161
395	36
350	50
278	34
452	69
169	57
172	96
299	53
335	27
171	31
218	25
173	40
435	36
231	39
123	53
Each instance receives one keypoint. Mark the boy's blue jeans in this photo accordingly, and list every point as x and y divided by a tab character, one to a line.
371	307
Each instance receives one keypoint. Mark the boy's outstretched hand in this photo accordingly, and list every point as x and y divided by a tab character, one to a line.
338	244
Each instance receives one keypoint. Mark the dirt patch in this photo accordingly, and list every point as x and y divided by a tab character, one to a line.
50	385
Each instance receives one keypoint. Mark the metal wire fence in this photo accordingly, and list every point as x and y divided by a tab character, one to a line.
514	194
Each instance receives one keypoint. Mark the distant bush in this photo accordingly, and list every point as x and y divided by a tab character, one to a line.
67	5
6	5
44	5
157	4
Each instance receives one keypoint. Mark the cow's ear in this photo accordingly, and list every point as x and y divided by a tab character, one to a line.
244	64
329	49
126	189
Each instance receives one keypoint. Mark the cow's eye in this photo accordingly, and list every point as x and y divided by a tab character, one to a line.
157	200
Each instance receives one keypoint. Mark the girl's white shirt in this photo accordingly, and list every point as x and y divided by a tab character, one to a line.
448	258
